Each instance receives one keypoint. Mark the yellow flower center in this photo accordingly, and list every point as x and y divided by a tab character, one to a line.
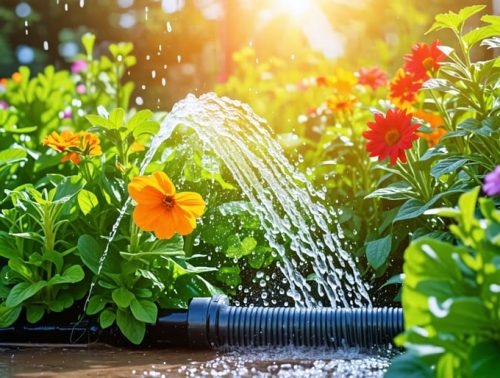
169	202
391	137
428	63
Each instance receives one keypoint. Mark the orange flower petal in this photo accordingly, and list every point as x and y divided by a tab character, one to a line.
191	203
146	217
164	183
145	190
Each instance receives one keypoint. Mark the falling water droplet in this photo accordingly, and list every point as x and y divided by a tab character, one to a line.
153	74
179	58
66	7
163	82
46	45
82	3
169	27
146	13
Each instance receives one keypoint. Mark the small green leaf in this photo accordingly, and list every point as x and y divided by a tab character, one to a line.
107	318
8	315
122	297
96	304
143	310
71	275
87	201
34	313
133	329
377	251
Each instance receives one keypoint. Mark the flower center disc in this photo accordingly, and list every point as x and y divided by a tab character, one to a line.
392	137
169	201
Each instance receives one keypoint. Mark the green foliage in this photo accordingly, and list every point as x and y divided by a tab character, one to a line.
451	297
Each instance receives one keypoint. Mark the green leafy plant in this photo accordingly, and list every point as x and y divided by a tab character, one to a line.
451	297
43	270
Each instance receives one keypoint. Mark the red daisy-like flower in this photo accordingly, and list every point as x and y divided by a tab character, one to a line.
391	135
374	77
404	88
424	58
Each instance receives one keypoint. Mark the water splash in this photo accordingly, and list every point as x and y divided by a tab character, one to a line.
286	203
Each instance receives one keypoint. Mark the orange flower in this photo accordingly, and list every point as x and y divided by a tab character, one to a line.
424	58
90	144
17	77
82	143
404	88
3	82
435	122
73	156
63	141
391	136
344	80
341	103
160	209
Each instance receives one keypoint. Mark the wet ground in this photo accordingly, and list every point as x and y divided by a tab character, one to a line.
103	361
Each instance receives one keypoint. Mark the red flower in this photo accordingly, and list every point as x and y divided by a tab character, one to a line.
404	88
391	135
424	58
373	77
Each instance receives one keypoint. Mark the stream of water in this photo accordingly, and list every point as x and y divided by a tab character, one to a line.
297	226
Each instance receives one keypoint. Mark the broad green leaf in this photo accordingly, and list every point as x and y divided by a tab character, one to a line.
395	191
99	121
34	313
138	118
454	20
8	315
87	201
148	127
91	252
408	366
11	156
144	310
229	275
133	329
478	34
68	188
448	165
377	251
23	291
8	247
107	318
122	297
485	359
116	117
71	275
96	304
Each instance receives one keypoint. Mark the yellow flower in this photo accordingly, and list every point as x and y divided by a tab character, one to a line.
341	103
160	209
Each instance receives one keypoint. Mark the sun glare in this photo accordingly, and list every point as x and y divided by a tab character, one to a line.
296	8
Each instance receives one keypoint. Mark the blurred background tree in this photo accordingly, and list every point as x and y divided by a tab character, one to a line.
187	45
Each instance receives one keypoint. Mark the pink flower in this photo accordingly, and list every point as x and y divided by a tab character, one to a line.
80	89
66	114
374	77
4	104
79	66
492	182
